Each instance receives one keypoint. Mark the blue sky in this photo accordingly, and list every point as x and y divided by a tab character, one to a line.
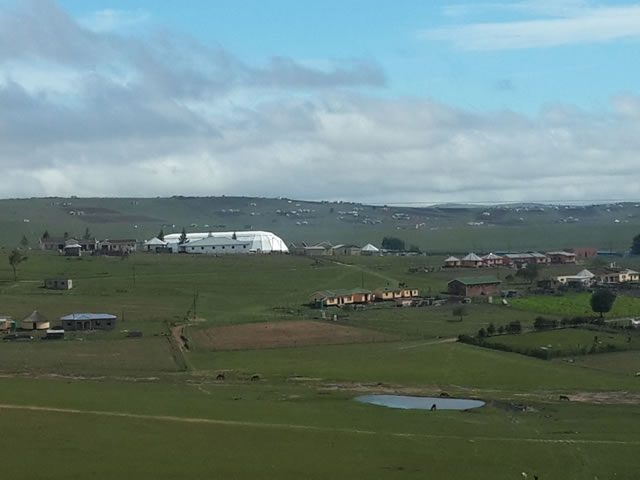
583	72
427	101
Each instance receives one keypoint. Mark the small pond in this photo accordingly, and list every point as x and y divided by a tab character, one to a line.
420	403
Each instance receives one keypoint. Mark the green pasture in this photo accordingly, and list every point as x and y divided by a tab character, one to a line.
576	305
623	363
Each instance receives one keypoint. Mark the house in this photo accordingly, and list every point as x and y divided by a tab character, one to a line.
345	250
58	244
474	286
35	321
561	257
58	283
119	246
6	323
155	245
583	252
394	293
88	321
491	260
216	246
339	297
621	276
73	250
369	249
471	260
519	260
582	279
452	262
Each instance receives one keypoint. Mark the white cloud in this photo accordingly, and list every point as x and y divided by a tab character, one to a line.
110	20
579	25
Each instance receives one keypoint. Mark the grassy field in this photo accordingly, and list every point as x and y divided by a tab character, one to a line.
108	406
574	305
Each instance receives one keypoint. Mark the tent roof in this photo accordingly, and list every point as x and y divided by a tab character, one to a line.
473	257
452	259
155	241
492	256
370	248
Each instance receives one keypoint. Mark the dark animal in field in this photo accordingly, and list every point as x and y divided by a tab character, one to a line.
564	397
220	376
444	394
255	378
433	407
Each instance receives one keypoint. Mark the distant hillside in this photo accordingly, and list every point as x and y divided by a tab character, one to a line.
446	228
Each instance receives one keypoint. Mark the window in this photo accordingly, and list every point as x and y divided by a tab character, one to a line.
233	246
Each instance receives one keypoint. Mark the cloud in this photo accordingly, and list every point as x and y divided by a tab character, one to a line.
110	20
104	114
585	25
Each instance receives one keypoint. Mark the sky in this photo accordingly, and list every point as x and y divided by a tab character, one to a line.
381	102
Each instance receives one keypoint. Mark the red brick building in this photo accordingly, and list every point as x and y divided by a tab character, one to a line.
474	286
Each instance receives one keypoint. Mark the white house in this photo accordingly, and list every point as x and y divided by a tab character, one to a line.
216	246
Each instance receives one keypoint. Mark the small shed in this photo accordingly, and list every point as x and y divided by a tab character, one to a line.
73	250
471	260
54	334
452	262
155	244
474	286
35	321
88	321
6	323
58	283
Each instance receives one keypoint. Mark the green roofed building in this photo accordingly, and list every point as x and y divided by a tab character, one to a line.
474	286
339	297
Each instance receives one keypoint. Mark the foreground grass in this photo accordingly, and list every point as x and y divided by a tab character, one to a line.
577	304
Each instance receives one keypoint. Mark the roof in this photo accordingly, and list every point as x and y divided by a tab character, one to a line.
491	256
472	257
585	274
339	292
475	280
121	240
452	259
36	317
524	255
73	245
370	248
562	253
155	241
89	316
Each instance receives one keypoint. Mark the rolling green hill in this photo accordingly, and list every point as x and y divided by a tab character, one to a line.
453	228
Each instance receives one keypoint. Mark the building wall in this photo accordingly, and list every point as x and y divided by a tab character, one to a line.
459	289
218	249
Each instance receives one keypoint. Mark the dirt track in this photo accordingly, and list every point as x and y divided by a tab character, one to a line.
312	428
282	334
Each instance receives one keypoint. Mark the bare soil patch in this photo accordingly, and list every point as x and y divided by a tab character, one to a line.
282	334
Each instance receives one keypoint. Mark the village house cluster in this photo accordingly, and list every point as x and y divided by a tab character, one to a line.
327	249
75	247
36	322
360	296
515	260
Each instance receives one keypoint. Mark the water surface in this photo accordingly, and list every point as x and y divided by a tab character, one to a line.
420	403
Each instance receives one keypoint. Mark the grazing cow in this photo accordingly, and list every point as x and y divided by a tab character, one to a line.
255	378
444	394
564	397
220	376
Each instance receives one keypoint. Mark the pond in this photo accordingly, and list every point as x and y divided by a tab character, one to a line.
420	403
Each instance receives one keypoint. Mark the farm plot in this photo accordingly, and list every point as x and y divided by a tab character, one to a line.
281	334
574	305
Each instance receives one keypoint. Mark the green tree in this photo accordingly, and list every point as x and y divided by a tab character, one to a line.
459	311
393	243
24	241
482	333
87	234
602	301
45	235
491	329
529	273
16	258
635	245
514	327
183	235
161	235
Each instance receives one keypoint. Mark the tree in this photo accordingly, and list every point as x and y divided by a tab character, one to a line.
459	311
529	273
161	235
24	241
414	248
482	333
45	235
66	235
183	235
16	258
514	327
491	329
635	245
87	234
393	243
602	301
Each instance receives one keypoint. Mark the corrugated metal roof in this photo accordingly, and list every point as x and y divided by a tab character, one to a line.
472	257
89	316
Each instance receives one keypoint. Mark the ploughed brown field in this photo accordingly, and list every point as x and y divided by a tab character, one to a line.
282	334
